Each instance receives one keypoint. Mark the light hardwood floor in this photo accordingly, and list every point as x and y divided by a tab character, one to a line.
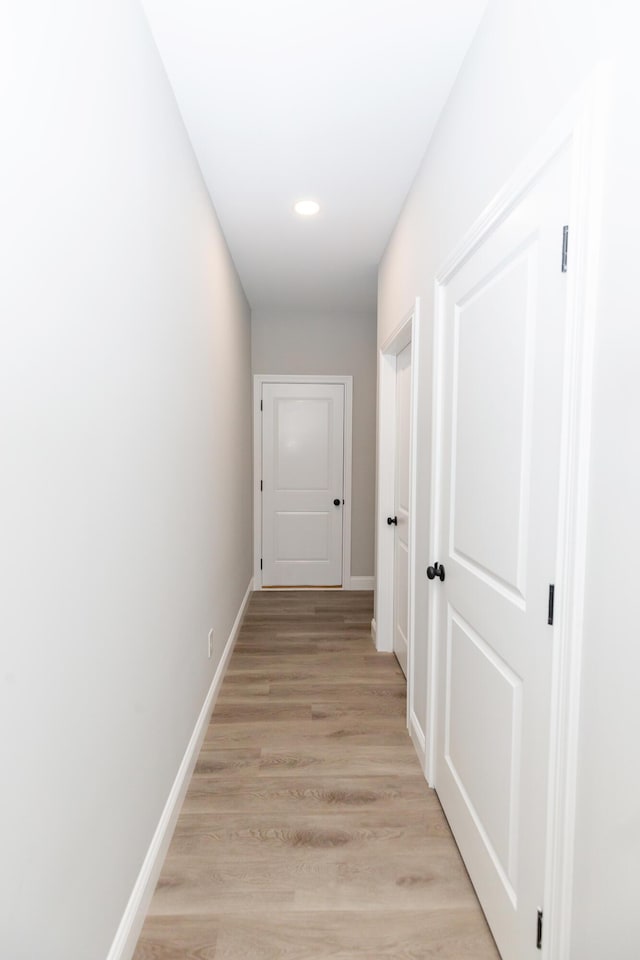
308	831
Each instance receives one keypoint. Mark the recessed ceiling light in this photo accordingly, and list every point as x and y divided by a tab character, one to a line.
306	208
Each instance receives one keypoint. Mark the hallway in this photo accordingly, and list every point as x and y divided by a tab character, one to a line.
308	830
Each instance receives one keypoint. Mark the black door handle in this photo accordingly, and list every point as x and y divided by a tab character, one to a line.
436	571
392	520
336	502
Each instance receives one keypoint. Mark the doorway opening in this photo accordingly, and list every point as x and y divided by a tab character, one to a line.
395	520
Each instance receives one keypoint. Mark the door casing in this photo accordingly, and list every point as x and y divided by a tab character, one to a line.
347	382
402	507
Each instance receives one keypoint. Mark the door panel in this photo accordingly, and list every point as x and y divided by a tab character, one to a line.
302	462
301	443
401	507
503	329
491	422
302	536
484	759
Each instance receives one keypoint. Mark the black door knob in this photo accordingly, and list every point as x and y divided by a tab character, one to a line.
336	502
436	571
392	520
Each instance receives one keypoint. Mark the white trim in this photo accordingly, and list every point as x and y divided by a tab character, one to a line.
418	739
406	332
307	589
362	583
585	218
128	932
347	382
412	678
433	612
384	501
581	127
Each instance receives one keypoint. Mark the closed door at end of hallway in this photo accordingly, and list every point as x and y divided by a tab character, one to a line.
303	484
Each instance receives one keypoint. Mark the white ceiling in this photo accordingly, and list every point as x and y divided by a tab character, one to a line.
334	100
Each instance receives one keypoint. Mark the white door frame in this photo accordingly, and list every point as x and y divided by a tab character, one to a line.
407	331
347	382
581	127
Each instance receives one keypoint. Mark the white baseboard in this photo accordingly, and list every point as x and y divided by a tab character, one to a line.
361	583
419	742
350	583
384	643
128	932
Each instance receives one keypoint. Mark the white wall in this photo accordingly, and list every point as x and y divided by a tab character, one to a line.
302	342
125	486
526	61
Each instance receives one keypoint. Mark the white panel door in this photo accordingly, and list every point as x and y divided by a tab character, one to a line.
302	474
401	506
504	329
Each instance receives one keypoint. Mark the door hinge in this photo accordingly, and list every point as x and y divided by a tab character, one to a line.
539	931
261	404
261	484
552	591
565	247
261	563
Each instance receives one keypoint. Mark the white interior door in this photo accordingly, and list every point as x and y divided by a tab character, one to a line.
303	484
401	507
503	328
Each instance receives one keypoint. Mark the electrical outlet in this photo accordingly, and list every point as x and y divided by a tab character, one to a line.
210	643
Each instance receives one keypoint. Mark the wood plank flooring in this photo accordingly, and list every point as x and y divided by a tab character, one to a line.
308	831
